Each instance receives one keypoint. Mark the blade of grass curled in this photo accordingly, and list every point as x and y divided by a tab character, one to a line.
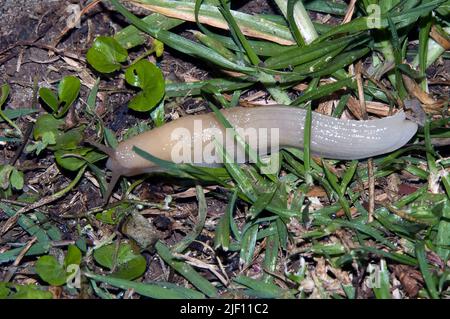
292	25
156	291
181	44
196	231
186	271
424	268
348	176
300	18
222	234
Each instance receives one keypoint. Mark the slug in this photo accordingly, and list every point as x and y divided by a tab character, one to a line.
330	137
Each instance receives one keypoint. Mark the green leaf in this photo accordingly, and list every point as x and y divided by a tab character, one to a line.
113	215
69	140
49	98
5	173
73	256
68	91
72	163
12	291
127	263
48	268
16	179
149	78
4	93
46	123
106	54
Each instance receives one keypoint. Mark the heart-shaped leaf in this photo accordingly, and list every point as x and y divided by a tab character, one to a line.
145	75
48	268
128	264
106	54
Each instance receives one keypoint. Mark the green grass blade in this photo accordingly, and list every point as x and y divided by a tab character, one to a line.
186	271
424	268
157	291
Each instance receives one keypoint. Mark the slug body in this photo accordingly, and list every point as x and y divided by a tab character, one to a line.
330	137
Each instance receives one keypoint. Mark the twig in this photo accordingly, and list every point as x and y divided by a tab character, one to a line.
349	13
13	268
76	20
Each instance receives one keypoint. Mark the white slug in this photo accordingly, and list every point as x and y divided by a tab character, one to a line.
330	137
